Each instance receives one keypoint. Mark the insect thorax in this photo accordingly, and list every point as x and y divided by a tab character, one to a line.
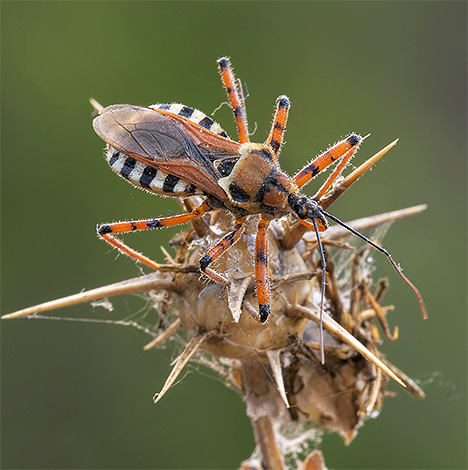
256	183
147	177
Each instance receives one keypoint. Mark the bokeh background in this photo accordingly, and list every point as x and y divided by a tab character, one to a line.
79	395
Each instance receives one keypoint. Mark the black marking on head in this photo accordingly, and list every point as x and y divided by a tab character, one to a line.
292	198
237	193
296	203
306	209
114	158
128	167
148	175
354	139
154	223
186	112
104	229
169	183
206	122
264	311
223	63
205	261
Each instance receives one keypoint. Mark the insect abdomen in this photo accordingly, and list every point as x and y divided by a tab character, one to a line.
148	177
193	115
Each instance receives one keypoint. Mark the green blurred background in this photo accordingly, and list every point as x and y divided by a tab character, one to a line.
79	395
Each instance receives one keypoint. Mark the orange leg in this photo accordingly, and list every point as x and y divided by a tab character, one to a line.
336	173
275	139
126	250
223	245
327	158
261	270
105	231
237	105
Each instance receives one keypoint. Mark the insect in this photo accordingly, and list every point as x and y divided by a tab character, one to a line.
174	150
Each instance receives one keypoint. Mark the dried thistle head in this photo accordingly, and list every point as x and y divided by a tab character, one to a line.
290	396
291	393
300	291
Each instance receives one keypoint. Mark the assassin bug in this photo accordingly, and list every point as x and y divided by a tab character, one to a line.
174	150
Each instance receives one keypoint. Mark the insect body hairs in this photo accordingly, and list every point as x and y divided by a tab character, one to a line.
175	150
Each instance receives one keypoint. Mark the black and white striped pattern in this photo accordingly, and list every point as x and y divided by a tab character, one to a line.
193	115
148	177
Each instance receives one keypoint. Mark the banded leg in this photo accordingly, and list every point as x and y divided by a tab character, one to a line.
238	108
330	197
223	245
336	152
261	270
275	139
105	231
336	173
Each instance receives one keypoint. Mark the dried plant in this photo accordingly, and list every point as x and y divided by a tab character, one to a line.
307	359
291	398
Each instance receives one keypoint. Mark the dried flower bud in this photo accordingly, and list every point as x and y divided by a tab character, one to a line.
290	396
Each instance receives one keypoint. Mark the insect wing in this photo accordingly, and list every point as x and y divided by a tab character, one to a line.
161	140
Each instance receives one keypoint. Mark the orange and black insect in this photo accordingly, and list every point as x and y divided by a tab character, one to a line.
174	150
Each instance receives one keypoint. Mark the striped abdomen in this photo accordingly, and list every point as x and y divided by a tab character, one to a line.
148	177
193	115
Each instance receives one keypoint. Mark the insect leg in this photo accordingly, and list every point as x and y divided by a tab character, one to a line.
261	270
275	139
126	250
336	173
327	200
340	149
105	231
238	108
224	244
145	224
